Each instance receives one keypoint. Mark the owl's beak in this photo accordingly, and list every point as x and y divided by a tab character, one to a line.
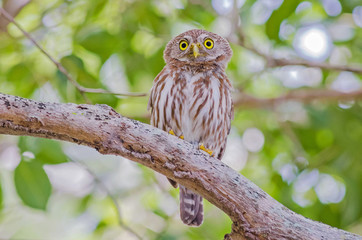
195	49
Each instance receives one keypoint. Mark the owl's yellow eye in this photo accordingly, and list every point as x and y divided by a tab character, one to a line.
183	45
209	43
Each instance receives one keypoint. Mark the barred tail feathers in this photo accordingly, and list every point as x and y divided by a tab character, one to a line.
191	207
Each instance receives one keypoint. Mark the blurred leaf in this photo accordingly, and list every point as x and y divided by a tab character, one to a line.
272	26
100	42
23	79
349	5
76	67
84	203
46	151
96	8
32	184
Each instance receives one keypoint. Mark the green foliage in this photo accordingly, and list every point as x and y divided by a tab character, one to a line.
32	184
272	26
24	79
46	151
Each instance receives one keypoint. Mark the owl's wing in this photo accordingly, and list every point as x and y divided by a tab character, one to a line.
153	94
150	106
231	112
150	101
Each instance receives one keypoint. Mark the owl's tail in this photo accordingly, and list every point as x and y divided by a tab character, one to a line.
191	207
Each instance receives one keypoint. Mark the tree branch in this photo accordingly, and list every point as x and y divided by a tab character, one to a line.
305	96
273	62
254	213
280	62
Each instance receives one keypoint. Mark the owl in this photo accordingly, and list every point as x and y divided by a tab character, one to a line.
191	99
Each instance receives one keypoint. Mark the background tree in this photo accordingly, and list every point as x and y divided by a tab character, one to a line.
307	156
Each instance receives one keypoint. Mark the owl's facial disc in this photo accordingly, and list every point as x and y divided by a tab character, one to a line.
197	46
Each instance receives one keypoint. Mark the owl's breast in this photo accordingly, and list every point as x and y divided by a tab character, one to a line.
193	95
197	106
201	115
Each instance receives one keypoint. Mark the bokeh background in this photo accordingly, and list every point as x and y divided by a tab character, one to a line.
308	156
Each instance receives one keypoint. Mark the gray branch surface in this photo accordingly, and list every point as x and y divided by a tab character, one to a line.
254	213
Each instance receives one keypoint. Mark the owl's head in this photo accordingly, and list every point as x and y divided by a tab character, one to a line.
198	47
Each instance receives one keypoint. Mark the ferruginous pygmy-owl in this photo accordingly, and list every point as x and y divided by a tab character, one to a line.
191	98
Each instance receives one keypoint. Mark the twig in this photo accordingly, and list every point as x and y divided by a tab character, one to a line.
80	88
110	195
280	62
248	101
275	62
298	149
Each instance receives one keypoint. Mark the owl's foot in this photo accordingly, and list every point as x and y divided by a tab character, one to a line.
172	133
202	147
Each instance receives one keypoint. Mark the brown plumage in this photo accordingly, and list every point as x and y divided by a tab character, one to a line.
191	96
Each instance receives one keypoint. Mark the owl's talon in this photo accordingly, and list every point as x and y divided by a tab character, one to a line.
202	147
172	133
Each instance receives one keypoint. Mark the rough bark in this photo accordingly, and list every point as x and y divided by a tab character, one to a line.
254	213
